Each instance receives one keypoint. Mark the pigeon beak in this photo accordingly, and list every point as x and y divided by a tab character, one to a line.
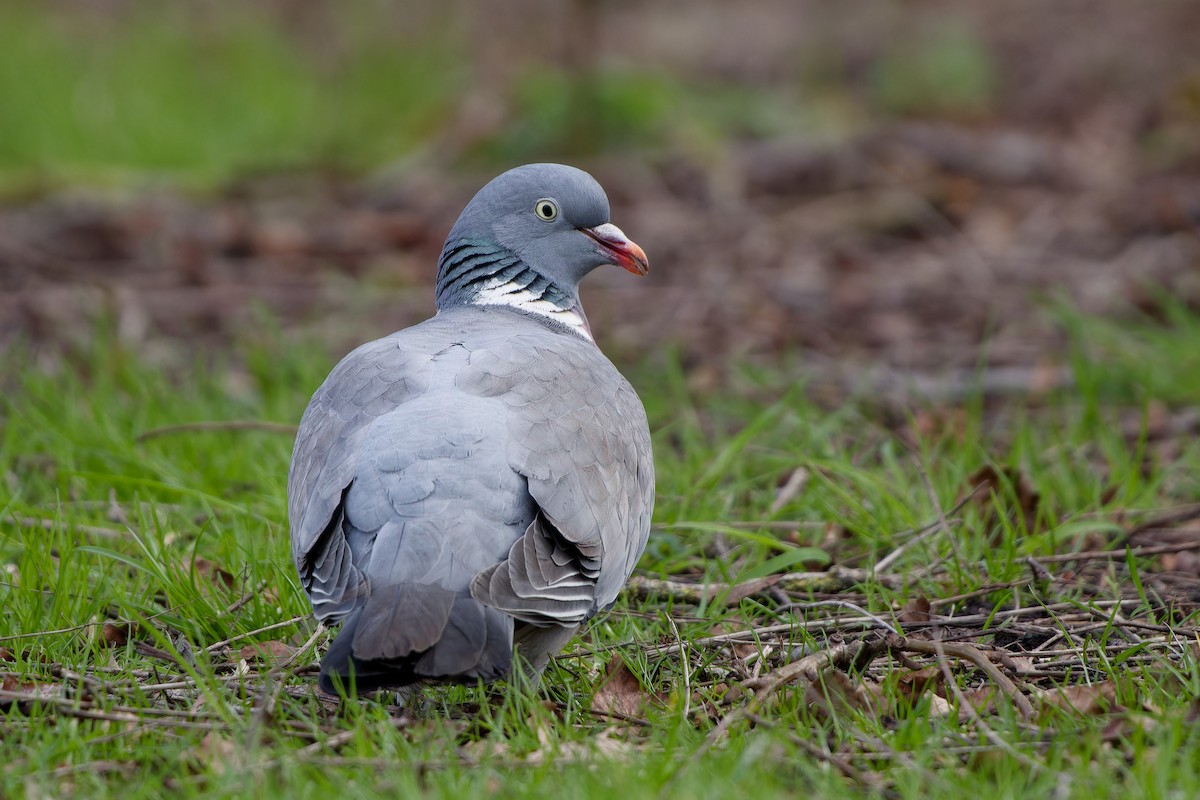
618	249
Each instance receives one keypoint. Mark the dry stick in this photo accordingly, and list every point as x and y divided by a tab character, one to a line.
212	648
789	490
292	658
767	630
882	623
834	580
241	602
96	768
807	669
38	634
1093	555
973	654
737	636
972	619
611	715
220	425
965	704
71	708
980	592
683	592
1172	517
88	530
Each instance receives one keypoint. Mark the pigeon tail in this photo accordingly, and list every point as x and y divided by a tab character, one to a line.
406	633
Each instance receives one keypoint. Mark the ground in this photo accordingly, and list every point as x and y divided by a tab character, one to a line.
919	347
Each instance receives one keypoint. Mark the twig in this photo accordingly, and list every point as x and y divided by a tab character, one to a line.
683	592
973	654
241	602
789	490
743	635
882	623
220	425
1172	517
96	768
69	707
807	670
595	712
965	704
87	530
834	580
943	524
212	648
38	634
303	648
973	619
1094	555
339	739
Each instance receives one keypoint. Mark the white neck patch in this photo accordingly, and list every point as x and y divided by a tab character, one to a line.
515	295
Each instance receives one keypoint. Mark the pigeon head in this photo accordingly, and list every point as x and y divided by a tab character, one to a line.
528	238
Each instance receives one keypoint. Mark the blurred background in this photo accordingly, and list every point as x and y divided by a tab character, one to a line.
888	186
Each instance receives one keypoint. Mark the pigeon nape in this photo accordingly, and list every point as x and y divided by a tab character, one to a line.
465	493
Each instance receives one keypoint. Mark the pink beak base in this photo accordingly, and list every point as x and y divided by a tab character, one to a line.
619	249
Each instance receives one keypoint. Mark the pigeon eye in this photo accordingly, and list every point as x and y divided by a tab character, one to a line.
546	209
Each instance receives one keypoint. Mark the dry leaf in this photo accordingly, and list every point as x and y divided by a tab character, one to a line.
620	691
745	589
1087	699
939	706
605	744
833	537
915	610
207	569
267	652
28	694
936	424
1181	562
982	699
744	650
834	693
216	752
913	685
994	483
1019	665
115	634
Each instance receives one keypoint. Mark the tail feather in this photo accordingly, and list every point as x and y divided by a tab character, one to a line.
408	632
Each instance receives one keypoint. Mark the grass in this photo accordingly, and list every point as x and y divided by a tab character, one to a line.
175	93
183	539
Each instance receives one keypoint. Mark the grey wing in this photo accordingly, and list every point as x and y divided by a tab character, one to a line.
578	433
368	383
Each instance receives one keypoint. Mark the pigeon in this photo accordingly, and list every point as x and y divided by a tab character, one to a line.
465	493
